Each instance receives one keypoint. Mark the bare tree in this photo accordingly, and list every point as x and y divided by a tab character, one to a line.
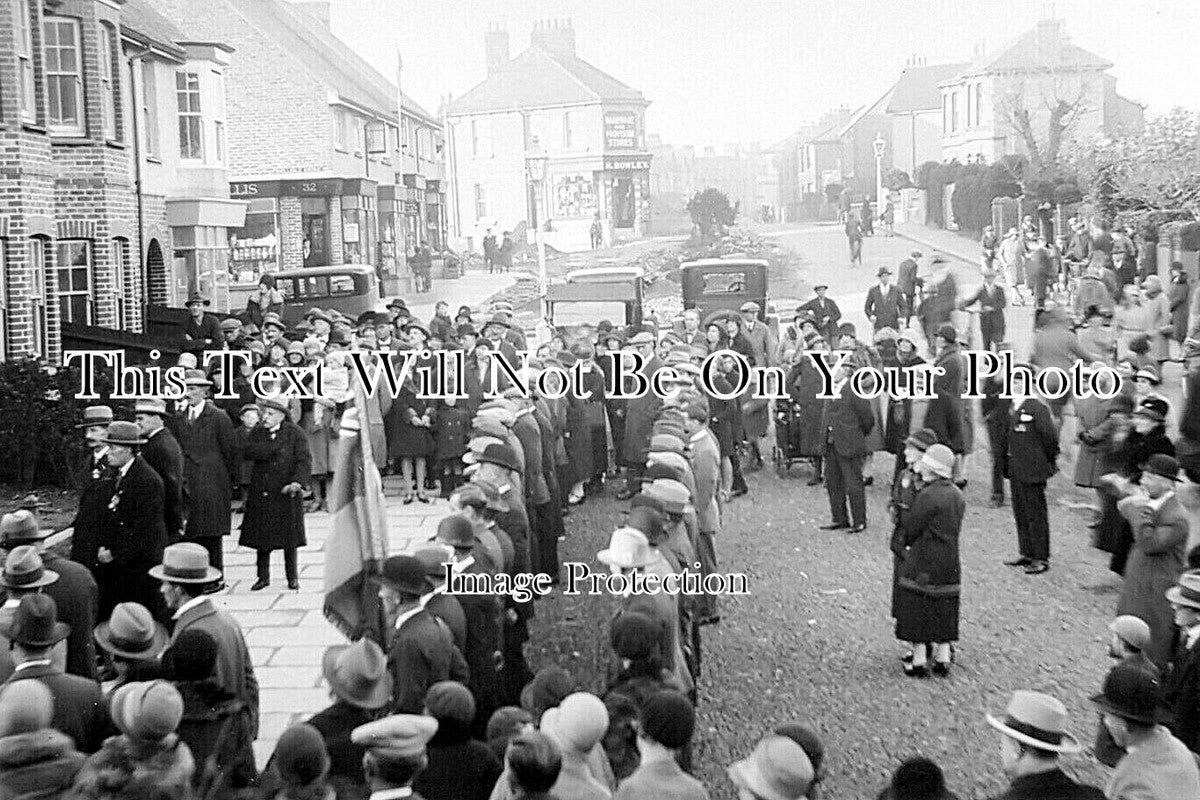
1061	94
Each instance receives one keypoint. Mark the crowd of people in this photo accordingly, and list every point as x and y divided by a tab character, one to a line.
144	685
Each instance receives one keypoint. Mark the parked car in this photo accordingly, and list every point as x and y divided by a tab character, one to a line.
587	296
717	286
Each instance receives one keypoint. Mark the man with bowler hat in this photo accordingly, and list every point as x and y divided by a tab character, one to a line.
75	591
1156	765
422	650
183	575
96	481
1129	637
132	534
1034	736
163	453
211	464
79	709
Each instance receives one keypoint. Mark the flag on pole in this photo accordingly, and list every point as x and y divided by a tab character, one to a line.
357	547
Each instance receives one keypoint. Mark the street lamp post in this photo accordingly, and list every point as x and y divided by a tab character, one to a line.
535	163
878	145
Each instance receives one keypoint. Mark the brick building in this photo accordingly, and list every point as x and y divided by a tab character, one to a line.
332	173
87	213
589	126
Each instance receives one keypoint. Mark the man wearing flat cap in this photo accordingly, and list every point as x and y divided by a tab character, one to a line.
763	342
422	651
1129	638
395	753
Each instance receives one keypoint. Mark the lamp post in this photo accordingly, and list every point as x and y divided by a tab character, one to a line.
878	146
535	165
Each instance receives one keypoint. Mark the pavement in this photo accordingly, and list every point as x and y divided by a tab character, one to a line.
286	631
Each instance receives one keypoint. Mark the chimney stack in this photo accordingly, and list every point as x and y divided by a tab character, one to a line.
555	36
495	46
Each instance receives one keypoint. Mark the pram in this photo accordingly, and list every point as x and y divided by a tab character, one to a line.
788	448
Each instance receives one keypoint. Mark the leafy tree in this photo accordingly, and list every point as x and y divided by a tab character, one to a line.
711	212
896	179
1155	170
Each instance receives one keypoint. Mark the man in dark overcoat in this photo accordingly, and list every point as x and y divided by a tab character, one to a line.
1181	689
201	331
945	412
990	300
163	453
96	482
75	591
484	614
996	410
132	532
211	463
282	468
909	284
846	421
885	305
422	650
824	313
1031	455
640	413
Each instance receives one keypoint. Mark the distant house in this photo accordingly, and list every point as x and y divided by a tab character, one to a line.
843	151
548	103
1034	72
915	109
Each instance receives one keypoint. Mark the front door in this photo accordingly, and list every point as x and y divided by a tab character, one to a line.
623	207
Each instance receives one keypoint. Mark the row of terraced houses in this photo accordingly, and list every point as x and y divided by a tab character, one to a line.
133	168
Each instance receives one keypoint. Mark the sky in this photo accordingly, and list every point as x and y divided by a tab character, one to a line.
724	71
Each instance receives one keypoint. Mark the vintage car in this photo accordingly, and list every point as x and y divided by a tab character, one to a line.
587	296
719	286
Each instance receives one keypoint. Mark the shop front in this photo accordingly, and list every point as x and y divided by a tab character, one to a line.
291	224
625	183
201	231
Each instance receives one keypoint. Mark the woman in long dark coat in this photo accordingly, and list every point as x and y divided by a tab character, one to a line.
927	597
804	384
274	518
905	487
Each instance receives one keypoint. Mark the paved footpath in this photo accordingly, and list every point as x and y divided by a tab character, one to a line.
287	631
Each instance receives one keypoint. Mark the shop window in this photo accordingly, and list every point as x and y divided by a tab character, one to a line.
358	230
37	295
64	76
254	248
149	102
75	285
191	125
201	257
109	91
26	85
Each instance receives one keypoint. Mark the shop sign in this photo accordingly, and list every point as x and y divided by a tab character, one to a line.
350	232
323	187
630	163
411	208
620	130
376	138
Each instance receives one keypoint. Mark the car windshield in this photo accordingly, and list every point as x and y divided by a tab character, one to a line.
726	282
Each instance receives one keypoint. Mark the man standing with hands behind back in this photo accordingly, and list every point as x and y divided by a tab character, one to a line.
1031	455
847	419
